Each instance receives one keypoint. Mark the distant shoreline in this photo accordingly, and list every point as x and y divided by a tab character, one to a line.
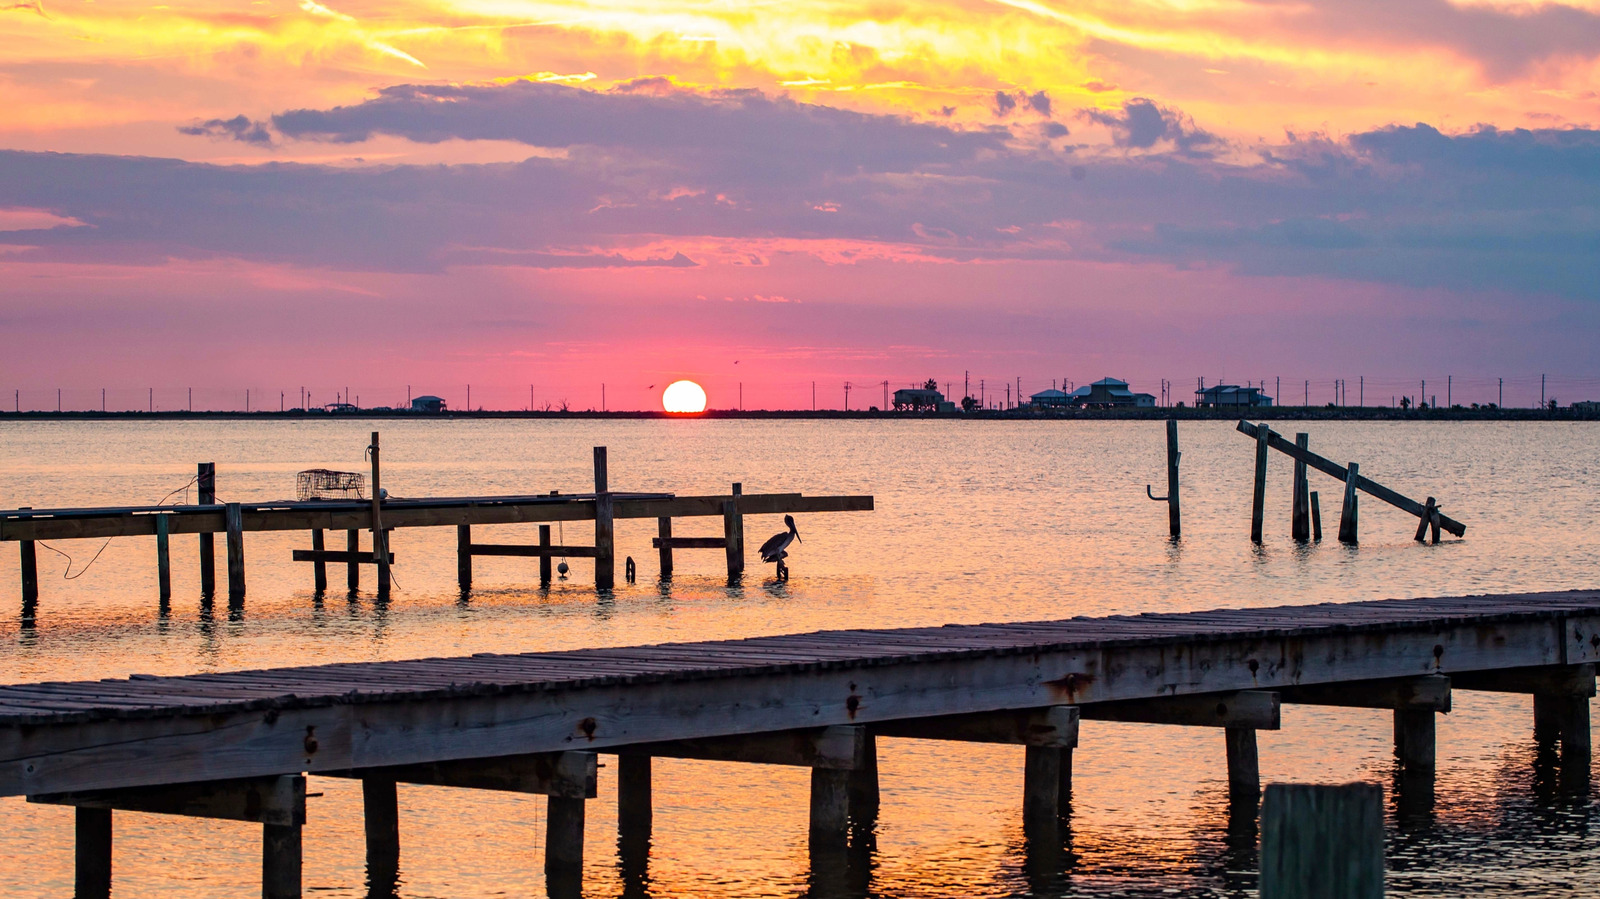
1272	413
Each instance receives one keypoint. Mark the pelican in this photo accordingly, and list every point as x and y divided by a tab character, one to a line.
776	549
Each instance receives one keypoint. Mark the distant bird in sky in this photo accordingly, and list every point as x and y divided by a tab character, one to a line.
776	549
736	362
651	387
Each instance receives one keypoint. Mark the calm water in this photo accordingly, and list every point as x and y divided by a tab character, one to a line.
985	521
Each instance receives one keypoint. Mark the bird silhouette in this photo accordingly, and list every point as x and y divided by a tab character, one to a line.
776	549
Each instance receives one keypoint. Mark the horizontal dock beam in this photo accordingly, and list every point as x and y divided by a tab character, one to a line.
531	550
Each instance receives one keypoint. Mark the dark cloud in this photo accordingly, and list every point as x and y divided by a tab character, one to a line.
1004	103
238	128
1142	124
1040	102
1485	209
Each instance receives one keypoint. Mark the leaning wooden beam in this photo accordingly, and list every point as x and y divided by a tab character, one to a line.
1348	515
277	803
1336	470
1254	709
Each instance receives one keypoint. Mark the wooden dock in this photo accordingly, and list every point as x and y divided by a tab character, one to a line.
602	507
239	745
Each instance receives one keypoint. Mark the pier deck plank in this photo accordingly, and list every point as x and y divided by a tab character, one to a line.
62	736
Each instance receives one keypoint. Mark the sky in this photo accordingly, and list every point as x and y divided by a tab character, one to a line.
538	197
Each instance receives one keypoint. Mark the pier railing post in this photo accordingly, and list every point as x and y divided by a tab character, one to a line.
1322	841
664	532
30	570
319	569
1300	525
1347	515
605	563
464	557
234	518
352	574
206	485
1174	517
733	532
544	560
163	557
1258	509
92	853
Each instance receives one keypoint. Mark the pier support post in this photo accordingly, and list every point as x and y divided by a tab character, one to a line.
634	820
30	571
1174	518
1322	841
1316	518
381	814
563	858
1347	515
319	568
1041	784
1428	507
1300	525
464	557
1414	741
352	575
733	532
1258	508
544	560
206	484
163	557
384	578
830	808
605	563
92	853
280	861
664	532
234	518
1244	764
864	799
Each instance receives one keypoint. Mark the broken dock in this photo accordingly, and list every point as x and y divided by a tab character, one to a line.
239	745
381	517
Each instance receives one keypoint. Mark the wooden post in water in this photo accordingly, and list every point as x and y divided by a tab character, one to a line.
1244	764
1300	524
280	861
1347	515
1426	519
1174	517
635	811
563	849
163	557
1041	784
30	570
733	532
1322	841
1316	517
352	574
605	562
864	799
464	557
92	853
234	518
664	532
544	561
1414	740
1258	510
381	814
1433	523
380	537
319	569
830	810
206	484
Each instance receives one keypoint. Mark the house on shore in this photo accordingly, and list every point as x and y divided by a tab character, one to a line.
1230	396
1105	393
1051	399
427	404
921	399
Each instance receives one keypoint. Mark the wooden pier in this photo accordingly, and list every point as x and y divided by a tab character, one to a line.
239	745
602	507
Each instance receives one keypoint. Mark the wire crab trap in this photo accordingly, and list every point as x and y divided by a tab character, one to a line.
320	483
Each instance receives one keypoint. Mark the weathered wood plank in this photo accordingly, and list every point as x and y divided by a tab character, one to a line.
1255	709
1054	727
570	774
816	747
261	800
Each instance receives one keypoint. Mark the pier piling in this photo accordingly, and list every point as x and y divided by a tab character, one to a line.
1322	841
605	562
1258	508
30	569
381	815
319	569
1348	514
163	558
545	562
1300	524
664	545
733	532
1174	516
234	518
92	853
1316	518
1429	507
352	574
206	485
464	557
1244	764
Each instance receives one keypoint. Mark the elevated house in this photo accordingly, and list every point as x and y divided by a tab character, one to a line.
1102	394
1052	398
1230	396
921	399
427	404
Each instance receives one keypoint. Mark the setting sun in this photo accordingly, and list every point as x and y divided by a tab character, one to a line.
683	396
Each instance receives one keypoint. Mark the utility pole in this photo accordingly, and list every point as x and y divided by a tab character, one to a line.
603	396
152	399
1449	391
469	397
847	396
1541	392
1422	397
813	396
983	401
1361	391
1308	392
885	405
966	384
1502	402
1019	390
102	400
58	397
191	399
